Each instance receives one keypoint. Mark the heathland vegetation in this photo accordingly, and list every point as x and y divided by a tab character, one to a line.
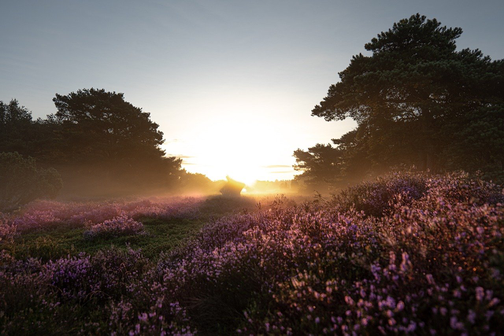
417	251
406	254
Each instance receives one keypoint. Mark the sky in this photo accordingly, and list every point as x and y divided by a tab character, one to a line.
230	83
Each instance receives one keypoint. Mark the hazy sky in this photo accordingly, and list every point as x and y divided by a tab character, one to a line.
231	83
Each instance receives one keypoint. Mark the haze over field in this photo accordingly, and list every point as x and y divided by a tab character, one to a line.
231	84
129	131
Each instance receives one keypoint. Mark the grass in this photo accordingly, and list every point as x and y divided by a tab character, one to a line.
56	240
66	239
49	244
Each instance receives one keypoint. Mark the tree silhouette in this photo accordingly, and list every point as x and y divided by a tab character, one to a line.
102	125
414	96
322	165
15	127
107	136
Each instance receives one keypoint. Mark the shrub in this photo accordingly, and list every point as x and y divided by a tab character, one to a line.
7	230
378	197
21	181
431	263
118	226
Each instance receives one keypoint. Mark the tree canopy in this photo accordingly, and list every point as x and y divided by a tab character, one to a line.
322	165
100	143
112	141
416	100
102	125
15	122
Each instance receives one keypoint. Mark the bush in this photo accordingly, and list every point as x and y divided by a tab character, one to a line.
117	226
378	198
423	254
21	181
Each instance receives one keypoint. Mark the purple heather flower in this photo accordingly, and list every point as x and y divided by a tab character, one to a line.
479	293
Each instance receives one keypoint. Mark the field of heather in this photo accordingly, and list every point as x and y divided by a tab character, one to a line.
404	254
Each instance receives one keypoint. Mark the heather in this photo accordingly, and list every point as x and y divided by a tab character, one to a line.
404	254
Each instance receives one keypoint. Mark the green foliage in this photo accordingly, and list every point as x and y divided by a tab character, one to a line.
15	124
477	145
101	144
195	183
59	240
21	181
102	125
322	164
418	102
114	143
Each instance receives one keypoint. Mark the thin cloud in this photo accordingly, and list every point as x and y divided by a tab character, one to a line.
277	166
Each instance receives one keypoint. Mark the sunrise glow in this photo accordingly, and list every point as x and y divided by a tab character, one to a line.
252	167
242	147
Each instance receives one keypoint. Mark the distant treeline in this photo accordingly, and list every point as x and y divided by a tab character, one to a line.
100	144
418	102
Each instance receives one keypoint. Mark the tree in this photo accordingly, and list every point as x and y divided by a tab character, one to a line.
413	95
21	181
480	138
15	127
100	144
110	143
195	183
101	125
321	164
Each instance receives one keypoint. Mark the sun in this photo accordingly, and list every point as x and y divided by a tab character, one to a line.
234	155
233	146
242	171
